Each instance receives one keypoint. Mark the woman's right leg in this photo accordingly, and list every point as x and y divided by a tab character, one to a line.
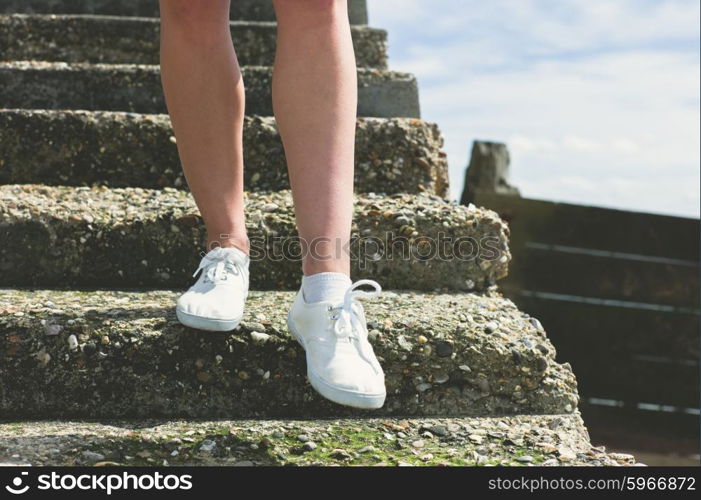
205	97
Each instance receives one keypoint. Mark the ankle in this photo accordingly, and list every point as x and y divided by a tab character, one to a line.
325	287
229	240
312	266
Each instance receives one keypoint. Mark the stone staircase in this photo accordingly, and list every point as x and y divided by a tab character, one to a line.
90	188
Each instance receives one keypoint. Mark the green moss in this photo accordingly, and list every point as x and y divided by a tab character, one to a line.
340	446
276	442
13	427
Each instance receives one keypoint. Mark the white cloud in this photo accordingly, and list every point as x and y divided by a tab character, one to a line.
598	100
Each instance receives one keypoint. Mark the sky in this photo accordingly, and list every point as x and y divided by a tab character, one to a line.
597	100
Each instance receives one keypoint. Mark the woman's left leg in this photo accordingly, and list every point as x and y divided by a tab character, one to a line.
315	101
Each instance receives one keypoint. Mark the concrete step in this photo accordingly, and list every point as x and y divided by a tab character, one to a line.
111	354
249	10
125	149
137	88
66	236
111	39
547	440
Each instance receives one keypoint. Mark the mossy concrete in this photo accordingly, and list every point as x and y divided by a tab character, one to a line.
543	440
103	354
128	237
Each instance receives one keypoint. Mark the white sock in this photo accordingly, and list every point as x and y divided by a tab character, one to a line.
326	287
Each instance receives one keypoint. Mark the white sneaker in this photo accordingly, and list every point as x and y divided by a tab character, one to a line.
341	364
215	302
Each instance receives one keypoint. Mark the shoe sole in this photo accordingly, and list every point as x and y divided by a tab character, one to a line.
340	396
209	324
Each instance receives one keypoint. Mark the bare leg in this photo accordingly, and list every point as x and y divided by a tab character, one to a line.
205	97
315	99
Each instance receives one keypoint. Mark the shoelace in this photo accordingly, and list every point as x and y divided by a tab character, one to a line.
344	315
218	268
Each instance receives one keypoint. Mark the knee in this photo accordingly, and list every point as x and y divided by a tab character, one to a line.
310	12
199	20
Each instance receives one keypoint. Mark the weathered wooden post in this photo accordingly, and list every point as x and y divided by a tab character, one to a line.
488	171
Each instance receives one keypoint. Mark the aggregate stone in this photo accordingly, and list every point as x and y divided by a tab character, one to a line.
249	10
87	148
154	366
82	236
136	40
137	88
